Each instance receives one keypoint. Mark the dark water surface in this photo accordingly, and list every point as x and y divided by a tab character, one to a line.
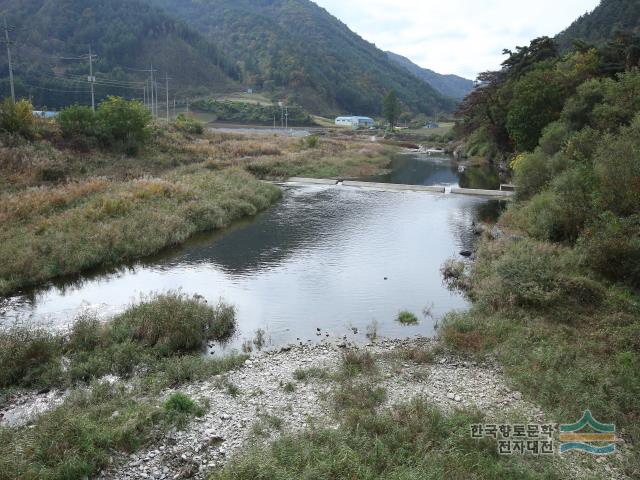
318	259
423	169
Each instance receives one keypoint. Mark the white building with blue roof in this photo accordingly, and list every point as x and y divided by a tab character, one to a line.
355	122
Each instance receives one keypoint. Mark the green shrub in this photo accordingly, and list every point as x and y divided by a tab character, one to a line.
179	406
618	171
78	121
612	248
531	275
17	118
173	323
311	141
559	213
30	358
554	137
532	173
189	124
86	334
124	124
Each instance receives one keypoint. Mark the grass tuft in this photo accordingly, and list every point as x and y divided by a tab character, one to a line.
407	318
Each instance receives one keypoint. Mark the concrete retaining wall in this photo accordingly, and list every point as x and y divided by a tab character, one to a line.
393	186
315	181
485	193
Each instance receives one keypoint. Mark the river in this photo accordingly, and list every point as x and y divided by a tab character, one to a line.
330	257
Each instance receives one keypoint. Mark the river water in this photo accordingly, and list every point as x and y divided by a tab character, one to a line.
331	257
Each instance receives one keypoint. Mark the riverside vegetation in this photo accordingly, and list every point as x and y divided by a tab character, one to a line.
151	346
555	293
91	190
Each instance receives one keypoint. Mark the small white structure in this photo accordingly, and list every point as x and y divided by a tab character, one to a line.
44	114
355	122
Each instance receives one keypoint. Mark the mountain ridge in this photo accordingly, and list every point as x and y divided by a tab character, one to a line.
297	49
450	85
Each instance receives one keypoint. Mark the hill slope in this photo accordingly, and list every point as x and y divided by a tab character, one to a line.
297	50
449	85
51	36
600	25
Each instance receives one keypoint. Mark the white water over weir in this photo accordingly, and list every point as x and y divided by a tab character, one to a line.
398	187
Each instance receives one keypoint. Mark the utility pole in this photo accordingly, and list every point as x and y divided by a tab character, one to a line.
92	81
166	77
6	39
286	117
153	98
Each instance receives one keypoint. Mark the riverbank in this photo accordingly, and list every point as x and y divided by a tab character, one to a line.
67	210
331	410
567	338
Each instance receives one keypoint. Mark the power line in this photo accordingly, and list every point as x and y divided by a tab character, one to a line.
55	89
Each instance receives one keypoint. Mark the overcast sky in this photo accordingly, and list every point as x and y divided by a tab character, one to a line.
464	37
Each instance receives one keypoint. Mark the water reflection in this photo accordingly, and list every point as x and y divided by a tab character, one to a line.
326	257
423	169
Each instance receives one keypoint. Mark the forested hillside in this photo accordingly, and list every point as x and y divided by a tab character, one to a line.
599	26
450	85
52	40
295	49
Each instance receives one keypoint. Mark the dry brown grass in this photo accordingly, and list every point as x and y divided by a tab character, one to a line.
66	209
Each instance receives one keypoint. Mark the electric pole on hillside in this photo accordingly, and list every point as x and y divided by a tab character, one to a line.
166	77
92	80
8	42
154	110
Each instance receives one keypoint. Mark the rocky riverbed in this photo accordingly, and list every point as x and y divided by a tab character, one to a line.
262	399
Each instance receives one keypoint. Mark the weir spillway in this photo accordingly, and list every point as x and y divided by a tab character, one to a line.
402	188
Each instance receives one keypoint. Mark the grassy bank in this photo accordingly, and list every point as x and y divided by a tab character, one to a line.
321	157
68	206
568	339
68	229
151	346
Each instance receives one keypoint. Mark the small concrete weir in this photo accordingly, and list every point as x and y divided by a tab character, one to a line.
403	188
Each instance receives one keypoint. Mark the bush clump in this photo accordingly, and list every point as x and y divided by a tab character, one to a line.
174	323
189	124
167	326
30	358
407	318
612	248
118	124
179	407
17	118
531	275
78	121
